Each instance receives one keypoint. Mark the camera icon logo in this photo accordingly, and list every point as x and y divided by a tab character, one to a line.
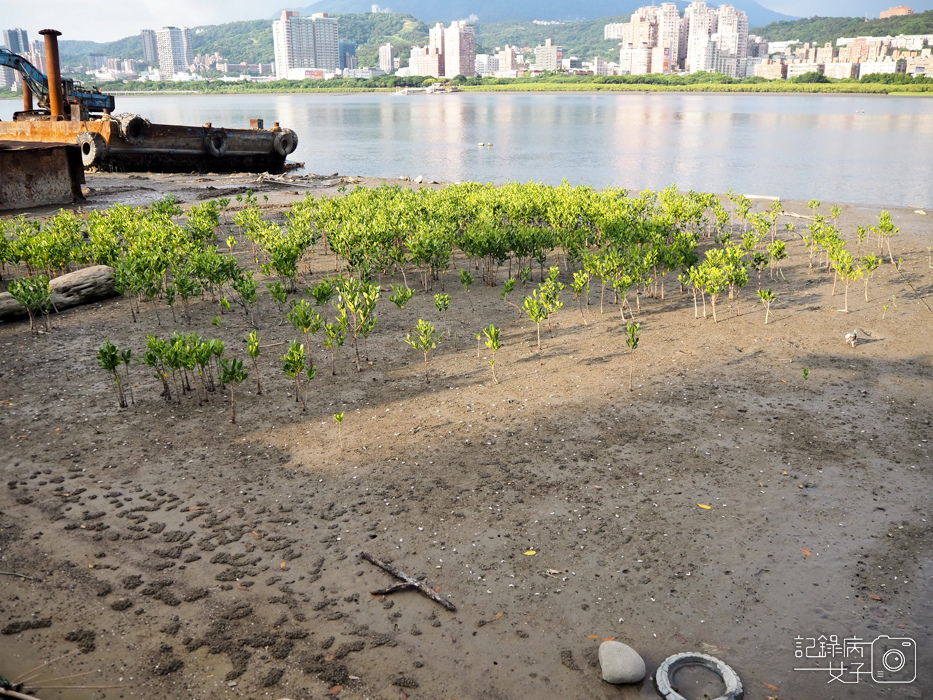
893	659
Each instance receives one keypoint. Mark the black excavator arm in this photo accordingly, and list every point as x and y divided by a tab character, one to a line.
92	100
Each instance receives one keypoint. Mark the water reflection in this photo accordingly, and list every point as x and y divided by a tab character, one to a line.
833	148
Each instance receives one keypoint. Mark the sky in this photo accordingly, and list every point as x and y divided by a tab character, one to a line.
96	20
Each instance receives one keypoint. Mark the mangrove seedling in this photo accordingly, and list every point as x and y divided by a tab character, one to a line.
108	359
442	301
507	289
307	320
766	298
126	356
631	339
400	295
466	279
252	349
536	311
806	376
35	294
339	418
231	372
424	341
333	339
322	292
581	290
293	364
492	342
279	293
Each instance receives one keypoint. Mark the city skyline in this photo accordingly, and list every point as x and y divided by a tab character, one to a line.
83	22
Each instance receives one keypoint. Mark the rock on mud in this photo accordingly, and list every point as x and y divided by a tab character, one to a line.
74	289
620	663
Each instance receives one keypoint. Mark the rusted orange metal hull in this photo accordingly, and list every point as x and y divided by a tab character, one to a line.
134	144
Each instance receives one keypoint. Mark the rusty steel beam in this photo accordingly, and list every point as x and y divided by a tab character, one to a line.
27	98
54	73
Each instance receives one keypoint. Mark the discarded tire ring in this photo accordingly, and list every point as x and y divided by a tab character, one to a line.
93	148
672	664
215	142
285	143
134	129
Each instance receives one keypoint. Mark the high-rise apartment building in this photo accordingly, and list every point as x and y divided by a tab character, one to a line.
386	58
549	56
303	43
426	61
16	40
459	50
347	51
150	46
486	63
174	50
700	23
652	42
507	58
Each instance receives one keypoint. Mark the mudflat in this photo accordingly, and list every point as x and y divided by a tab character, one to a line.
726	505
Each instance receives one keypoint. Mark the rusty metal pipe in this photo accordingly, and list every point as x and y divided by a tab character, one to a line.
54	73
27	98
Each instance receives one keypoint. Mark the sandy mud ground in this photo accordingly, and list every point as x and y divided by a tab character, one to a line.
174	554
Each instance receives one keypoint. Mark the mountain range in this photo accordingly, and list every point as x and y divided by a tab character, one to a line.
544	10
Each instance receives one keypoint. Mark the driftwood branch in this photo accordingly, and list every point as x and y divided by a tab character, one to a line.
13	573
409	583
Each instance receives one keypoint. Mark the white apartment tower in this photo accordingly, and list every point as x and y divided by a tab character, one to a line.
507	58
718	40
386	58
652	42
670	50
459	50
549	56
700	23
174	50
305	43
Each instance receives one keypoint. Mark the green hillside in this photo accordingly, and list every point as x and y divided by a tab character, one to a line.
819	30
583	39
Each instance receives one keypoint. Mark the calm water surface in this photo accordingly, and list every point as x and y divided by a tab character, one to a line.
847	149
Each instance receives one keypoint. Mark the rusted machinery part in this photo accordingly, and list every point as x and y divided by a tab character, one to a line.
286	141
134	129
93	148
215	142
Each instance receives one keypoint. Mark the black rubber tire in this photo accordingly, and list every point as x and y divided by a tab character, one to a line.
672	664
285	142
93	148
215	142
134	129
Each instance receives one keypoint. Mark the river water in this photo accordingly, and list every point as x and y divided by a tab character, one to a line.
863	149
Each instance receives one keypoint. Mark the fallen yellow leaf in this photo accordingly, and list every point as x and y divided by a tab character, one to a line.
592	636
769	686
806	552
609	639
704	507
283	564
530	553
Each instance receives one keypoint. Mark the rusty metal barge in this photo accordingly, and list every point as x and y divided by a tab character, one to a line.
68	114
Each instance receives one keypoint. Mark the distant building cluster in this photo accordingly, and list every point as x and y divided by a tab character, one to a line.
451	51
659	40
17	41
850	57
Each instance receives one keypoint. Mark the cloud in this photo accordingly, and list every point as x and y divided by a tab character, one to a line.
95	20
